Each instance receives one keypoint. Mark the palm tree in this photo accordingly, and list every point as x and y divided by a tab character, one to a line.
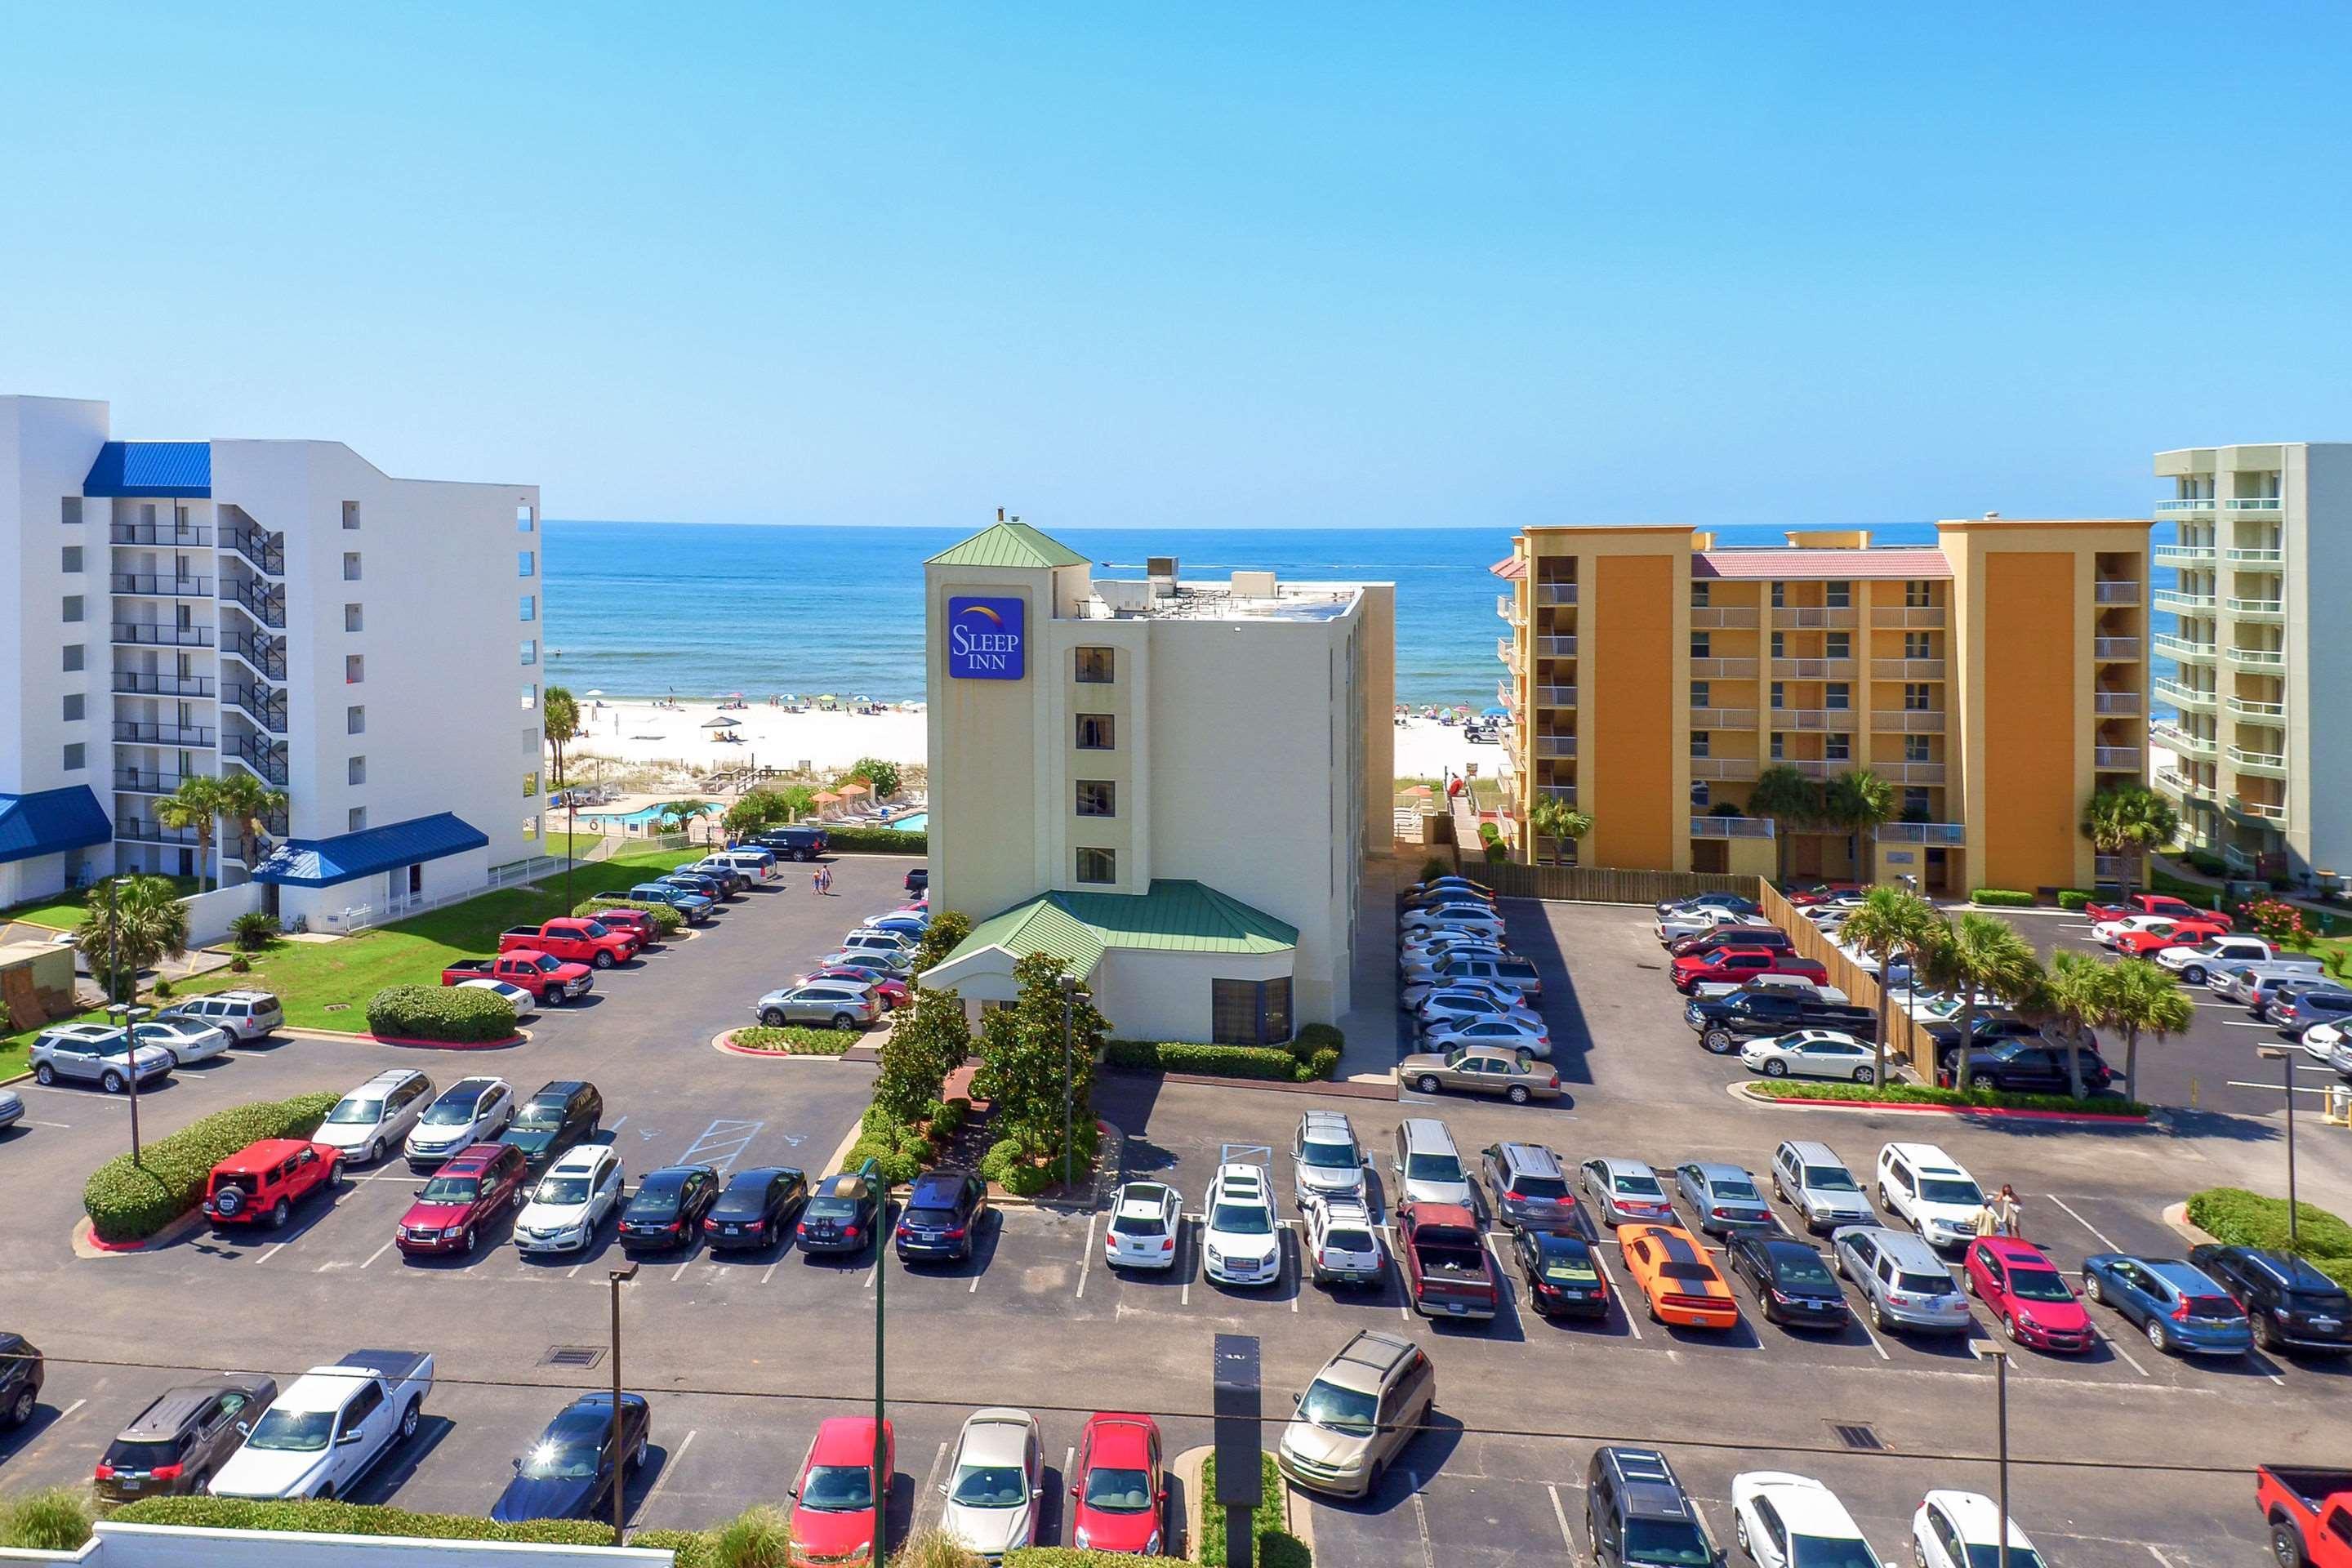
248	805
1889	922
1979	955
672	816
147	924
2075	995
559	713
197	804
2143	999
2130	820
1553	819
1858	802
1790	800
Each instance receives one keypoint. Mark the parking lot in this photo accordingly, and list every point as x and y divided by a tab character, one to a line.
742	1356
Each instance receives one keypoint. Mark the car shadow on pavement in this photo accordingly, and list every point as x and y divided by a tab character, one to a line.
1424	1457
14	1440
642	1480
385	1480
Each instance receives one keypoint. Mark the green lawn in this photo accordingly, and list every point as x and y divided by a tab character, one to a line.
15	1050
68	910
311	977
580	843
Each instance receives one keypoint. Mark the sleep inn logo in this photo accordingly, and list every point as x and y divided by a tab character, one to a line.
987	639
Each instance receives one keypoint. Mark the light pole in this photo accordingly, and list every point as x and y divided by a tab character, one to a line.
2285	1058
571	828
1998	1355
618	1277
872	1173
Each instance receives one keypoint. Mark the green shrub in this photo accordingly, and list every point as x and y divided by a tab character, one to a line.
1433	867
1276	1547
859	840
796	1042
895	1162
1271	1062
2207	863
1322	1065
354	1519
240	964
1921	1094
2241	1218
1073	1557
756	1538
948	1119
2001	898
56	1520
131	1202
934	1548
1010	1167
1312	1039
2072	898
254	929
162	989
449	1013
668	921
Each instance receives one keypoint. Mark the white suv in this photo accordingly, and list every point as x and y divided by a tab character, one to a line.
471	1110
1241	1245
570	1201
1920	1183
247	1016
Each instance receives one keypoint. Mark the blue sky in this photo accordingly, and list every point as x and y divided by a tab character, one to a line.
1246	266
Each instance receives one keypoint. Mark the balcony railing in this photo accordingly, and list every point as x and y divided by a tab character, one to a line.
1813	767
1554	594
1945	832
2196	697
1909	720
1907	670
1508	652
1555	745
265	654
2183	603
1814	718
2181	648
2184	785
264	605
136	781
2188	742
146	685
2246	762
1913	773
1814	668
1803	617
264	759
1910	617
2115	759
266	550
139	732
1551	647
1723	770
2266	555
153	634
2116	704
1710	827
2115	590
1723	668
164	534
2260	712
2115	648
1722	617
2265	810
138	830
264	707
2237	860
2178	504
157	585
2258	609
2259	658
1555	696
1507	606
2186	552
2252	503
1712	718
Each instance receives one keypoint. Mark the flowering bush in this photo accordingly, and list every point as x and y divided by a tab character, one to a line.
2279	923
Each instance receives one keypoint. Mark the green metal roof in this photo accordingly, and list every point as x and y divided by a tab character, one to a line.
1008	544
1175	916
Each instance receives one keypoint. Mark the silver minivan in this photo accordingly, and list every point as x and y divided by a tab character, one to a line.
375	1118
1813	1180
1428	1166
1905	1283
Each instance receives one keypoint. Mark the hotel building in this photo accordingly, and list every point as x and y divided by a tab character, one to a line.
365	644
1170	783
2260	534
1996	679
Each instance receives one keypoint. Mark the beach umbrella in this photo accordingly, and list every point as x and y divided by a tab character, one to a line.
1420	789
825	797
595	694
853	787
721	722
1498	713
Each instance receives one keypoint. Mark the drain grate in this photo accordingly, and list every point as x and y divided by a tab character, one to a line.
1858	1436
573	1355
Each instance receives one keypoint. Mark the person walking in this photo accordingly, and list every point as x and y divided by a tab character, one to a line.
825	887
1986	1221
816	881
2005	1210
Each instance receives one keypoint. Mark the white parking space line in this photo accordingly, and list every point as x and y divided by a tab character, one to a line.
1625	1303
2109	1341
1560	1512
1070	1458
2299	1089
615	1127
60	1126
1086	1259
670	1462
1404	1286
877	1269
2159	1556
378	1252
2086	1225
272	1250
1421	1520
2246	1024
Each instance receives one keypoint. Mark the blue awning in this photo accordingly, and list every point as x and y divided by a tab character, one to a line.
51	821
323	862
151	468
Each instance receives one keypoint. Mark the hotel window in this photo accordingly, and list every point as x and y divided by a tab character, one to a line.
531	650
531	696
351	566
1700	692
355	771
1701	796
530	786
147	513
70	609
1915	646
1093	666
355	721
1780	695
73	657
1838	694
354	669
1916	595
1838	595
1915	748
1838	748
356	819
1700	593
69	510
1915	804
351	514
1702	741
74	705
1249	1011
523	562
1699	645
1095	733
523	519
1841	645
529	608
352	619
76	757
1776	745
1097	797
1779	595
1915	697
1779	646
70	558
531	827
1098	866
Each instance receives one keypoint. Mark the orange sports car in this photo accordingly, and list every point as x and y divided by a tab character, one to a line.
1682	1284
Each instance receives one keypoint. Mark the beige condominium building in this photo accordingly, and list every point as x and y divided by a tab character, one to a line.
1170	783
1996	679
2259	536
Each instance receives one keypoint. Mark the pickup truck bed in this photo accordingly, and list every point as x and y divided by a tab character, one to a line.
1447	1271
395	1367
2308	1513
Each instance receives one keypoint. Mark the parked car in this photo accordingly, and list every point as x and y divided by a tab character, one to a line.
2308	1511
377	1115
548	978
1447	1272
2172	1301
328	1427
896	964
1564	1280
866	968
566	1111
22	1370
1736	965
1415	994
638	923
2196	965
919	880
524	1003
261	1182
1722	1198
910	923
185	1040
668	1208
2164	936
570	1471
1357	1415
1811	1053
1681	1283
1813	1180
2263	1001
1963	1530
996	1478
723	870
891	991
2290	1303
2026	1294
756	1209
1627	1192
471	1110
692	908
1517	972
1341	1243
574	938
1731	933
1120	1491
2037	1067
12	1107
1326	1161
842	1214
1700	921
1480	1070
470	1192
1730	903
1453	919
833	1004
1638	1515
1721	1024
1784	1521
884	944
1465	1004
1426	1164
833	1500
1146	1220
1240	1242
171	1448
1929	1191
247	1014
1793	1286
1900	1275
2163	906
1495	1034
696	883
1528	1189
94	1053
946	1210
2321	1004
1795	986
1986	1030
797	843
580	1190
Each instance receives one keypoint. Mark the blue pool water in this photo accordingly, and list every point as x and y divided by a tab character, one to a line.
642	815
914	823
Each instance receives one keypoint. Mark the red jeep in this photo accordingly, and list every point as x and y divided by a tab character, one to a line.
261	1182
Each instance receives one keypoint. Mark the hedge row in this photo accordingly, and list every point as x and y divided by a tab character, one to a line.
2073	898
1920	1094
794	1041
453	1013
1270	1063
1074	1557
2240	1219
2001	898
131	1203
1276	1547
668	921
846	840
901	1149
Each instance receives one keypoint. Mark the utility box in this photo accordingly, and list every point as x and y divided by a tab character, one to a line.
1240	1480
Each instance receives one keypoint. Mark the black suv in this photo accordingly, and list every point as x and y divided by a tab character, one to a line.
21	1370
1985	1032
1636	1513
944	1212
798	843
561	1114
2293	1306
2035	1066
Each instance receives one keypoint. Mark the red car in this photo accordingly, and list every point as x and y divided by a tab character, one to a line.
2147	943
636	922
262	1182
2146	904
2034	1304
464	1196
1812	893
1739	964
895	993
1121	1491
833	1502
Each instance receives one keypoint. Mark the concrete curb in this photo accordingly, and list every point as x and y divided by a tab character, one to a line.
2177	1217
1298	1513
519	1038
725	1041
1982	1112
86	1242
1331	1089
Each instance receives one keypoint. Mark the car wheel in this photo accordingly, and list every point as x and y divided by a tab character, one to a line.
176	1063
2266	1333
111	1082
466	1239
1718	1041
1776	1068
2009	1326
1426	1083
773	1018
553	997
325	1493
603	960
376	1150
45	1073
21	1411
519	1198
638	1454
844	1021
1970	1281
1739	1530
2286	1545
408	1420
1517	1094
2158	1340
2093	1289
1918	1554
1865	1074
277	1213
2194	974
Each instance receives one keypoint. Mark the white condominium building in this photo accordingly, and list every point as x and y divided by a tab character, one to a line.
366	645
2262	547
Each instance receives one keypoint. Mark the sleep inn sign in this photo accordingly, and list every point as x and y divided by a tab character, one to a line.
987	639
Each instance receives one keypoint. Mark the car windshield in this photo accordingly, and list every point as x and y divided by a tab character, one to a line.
1823	1552
1328	1156
2039	1285
832	1208
544	963
451	1190
292	1431
1949	1190
1139	1224
1804	1271
1830	1179
1638	1187
988	1486
1432	1168
559	1461
564	1189
540	1116
1119	1491
595	928
1736	1191
354	1109
838	1488
1241	1219
1340	1409
1923	1284
450	1113
1677	1544
1541	1188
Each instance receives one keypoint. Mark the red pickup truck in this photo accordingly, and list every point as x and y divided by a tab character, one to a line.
549	979
1446	1267
2145	904
1737	965
580	941
635	922
2309	1513
2152	940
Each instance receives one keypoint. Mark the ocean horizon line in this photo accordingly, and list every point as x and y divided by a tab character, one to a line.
1247	529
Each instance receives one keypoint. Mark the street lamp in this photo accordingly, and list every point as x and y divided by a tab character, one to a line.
1998	1355
2285	1056
618	1277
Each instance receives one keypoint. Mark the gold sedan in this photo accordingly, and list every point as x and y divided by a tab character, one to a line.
1480	1070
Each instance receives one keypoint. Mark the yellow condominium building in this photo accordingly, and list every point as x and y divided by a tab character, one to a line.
1995	679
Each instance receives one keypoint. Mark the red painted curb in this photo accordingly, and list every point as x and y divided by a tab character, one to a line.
1998	1112
103	1244
447	1045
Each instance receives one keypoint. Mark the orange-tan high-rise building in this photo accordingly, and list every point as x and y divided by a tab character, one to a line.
1995	679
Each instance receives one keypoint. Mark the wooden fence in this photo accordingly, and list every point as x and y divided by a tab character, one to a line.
1905	1037
1600	885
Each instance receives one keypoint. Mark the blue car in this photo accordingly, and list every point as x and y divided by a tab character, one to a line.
913	925
693	906
569	1472
2175	1303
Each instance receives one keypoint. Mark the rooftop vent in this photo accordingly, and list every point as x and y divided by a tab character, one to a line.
1161	569
1253	585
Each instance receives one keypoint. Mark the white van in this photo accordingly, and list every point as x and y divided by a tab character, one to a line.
757	866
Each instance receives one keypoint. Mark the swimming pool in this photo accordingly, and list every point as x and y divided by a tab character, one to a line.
915	822
643	814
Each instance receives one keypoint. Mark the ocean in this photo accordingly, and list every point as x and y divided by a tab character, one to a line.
641	609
